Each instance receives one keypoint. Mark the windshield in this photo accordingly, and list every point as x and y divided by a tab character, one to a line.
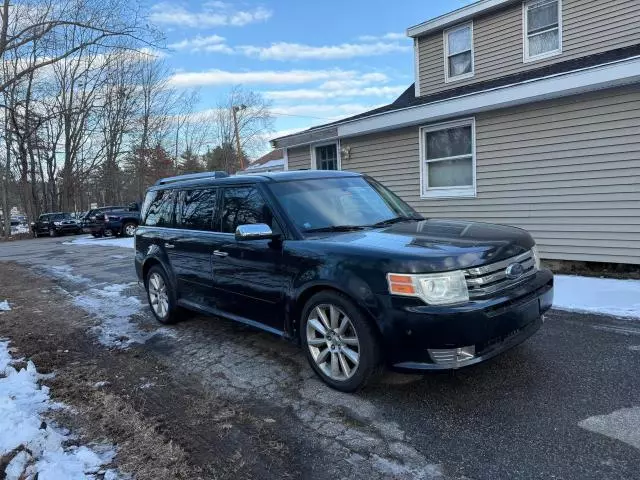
325	203
60	216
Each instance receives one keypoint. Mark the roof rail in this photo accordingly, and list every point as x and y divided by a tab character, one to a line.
192	176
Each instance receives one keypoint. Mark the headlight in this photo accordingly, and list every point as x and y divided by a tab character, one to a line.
57	224
536	257
434	289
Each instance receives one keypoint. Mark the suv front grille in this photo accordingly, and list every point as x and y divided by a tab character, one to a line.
489	279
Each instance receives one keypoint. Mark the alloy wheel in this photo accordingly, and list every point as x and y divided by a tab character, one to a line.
158	295
130	230
333	342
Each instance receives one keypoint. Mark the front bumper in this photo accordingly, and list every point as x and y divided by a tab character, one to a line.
423	337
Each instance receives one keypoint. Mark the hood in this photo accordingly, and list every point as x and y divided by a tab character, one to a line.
437	245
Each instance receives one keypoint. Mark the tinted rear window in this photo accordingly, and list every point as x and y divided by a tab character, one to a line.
159	208
195	209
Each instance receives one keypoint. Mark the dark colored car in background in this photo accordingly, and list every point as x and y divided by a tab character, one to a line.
52	224
337	262
89	218
116	221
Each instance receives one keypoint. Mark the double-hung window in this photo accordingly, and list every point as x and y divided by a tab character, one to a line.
447	159
458	50
325	157
542	29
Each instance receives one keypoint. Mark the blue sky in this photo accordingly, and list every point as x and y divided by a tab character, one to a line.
316	61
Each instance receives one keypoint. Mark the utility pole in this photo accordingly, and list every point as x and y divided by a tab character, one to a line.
234	110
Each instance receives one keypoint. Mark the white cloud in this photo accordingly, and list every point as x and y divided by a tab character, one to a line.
264	77
386	36
298	51
212	14
198	42
318	94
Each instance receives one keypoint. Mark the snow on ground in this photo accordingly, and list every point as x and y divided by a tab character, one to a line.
43	455
64	272
114	310
105	242
605	296
4	306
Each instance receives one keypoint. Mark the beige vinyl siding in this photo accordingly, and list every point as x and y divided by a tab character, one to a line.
589	27
567	170
299	158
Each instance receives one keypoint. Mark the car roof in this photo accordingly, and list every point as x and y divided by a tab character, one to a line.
266	177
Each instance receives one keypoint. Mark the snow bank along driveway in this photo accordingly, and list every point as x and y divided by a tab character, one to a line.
34	447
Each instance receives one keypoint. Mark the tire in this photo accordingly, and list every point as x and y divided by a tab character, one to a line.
96	235
156	279
339	347
107	232
52	232
128	229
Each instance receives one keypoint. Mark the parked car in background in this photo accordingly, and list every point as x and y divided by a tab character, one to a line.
338	263
53	224
116	221
88	220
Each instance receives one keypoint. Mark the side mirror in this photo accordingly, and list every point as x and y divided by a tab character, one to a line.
256	231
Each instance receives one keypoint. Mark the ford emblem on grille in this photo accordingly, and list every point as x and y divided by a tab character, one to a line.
515	270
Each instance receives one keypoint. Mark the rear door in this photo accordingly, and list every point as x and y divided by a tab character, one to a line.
192	246
249	275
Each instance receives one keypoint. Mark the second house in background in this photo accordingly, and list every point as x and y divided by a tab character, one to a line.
522	112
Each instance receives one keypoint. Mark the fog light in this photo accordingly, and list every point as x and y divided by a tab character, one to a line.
453	356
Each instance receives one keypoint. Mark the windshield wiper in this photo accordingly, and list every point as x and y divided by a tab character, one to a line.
336	228
391	221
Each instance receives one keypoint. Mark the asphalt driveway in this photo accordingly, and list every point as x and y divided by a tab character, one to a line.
566	404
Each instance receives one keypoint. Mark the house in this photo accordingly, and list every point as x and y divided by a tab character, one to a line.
271	162
522	112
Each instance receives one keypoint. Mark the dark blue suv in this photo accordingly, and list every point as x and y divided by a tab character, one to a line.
337	262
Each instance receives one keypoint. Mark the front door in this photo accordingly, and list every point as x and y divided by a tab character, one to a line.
191	247
249	275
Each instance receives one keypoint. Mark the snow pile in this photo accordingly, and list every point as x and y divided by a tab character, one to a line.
607	296
38	449
4	306
105	242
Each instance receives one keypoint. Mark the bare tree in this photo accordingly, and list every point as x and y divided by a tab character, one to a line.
120	100
29	21
243	118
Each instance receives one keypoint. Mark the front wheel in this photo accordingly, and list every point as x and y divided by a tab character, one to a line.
340	342
52	232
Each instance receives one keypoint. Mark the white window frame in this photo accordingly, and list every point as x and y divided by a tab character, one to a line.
313	146
445	42
525	34
468	191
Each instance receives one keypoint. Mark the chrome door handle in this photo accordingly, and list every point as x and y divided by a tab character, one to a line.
218	253
169	245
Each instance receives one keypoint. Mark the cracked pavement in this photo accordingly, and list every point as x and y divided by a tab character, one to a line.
522	415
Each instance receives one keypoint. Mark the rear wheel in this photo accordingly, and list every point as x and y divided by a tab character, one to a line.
161	297
340	342
107	232
129	229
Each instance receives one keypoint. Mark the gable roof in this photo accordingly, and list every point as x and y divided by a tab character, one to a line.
408	99
457	16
